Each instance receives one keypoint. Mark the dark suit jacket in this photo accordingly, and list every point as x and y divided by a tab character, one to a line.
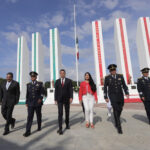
113	87
63	94
11	96
143	87
34	93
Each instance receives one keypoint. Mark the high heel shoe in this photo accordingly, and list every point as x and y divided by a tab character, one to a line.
87	125
92	126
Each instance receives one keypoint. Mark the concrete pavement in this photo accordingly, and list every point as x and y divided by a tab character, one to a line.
104	137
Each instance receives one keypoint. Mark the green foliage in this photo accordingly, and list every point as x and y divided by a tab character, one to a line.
76	88
2	80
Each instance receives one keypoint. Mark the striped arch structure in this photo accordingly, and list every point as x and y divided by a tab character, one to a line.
55	63
38	56
22	66
99	58
143	41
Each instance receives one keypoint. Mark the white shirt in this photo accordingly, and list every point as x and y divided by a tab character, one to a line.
63	80
146	78
7	85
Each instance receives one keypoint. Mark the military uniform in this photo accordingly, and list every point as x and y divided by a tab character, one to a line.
35	92
113	89
143	86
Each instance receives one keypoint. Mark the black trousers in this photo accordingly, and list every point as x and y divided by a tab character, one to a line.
117	110
31	111
147	108
7	114
60	113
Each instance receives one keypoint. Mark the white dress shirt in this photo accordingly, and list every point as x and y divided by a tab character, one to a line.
63	80
7	85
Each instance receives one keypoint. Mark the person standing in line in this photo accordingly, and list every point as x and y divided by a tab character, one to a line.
9	97
88	95
63	97
143	87
114	85
34	102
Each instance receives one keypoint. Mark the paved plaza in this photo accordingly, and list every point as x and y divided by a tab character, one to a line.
136	131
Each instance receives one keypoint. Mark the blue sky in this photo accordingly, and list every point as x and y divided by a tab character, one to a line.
23	17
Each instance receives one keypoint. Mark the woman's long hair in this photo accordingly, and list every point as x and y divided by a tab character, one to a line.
91	82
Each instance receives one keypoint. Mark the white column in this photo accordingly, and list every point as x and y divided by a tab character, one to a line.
122	50
22	66
55	63
143	41
98	48
38	56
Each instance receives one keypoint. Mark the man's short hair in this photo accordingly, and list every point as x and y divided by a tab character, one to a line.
10	73
62	70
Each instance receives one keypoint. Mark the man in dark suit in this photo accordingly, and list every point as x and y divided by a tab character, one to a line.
34	102
63	96
143	86
9	97
113	88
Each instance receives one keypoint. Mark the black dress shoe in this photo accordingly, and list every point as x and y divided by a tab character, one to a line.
13	123
67	127
26	134
60	132
6	132
120	131
39	129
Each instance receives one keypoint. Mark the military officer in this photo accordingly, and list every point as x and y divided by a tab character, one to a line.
34	97
143	86
113	90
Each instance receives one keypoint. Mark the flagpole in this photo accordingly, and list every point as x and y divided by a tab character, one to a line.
76	46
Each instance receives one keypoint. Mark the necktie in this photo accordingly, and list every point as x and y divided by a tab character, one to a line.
62	82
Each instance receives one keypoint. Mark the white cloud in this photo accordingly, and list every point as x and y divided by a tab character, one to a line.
83	31
47	21
57	20
108	23
136	5
110	4
10	36
13	36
